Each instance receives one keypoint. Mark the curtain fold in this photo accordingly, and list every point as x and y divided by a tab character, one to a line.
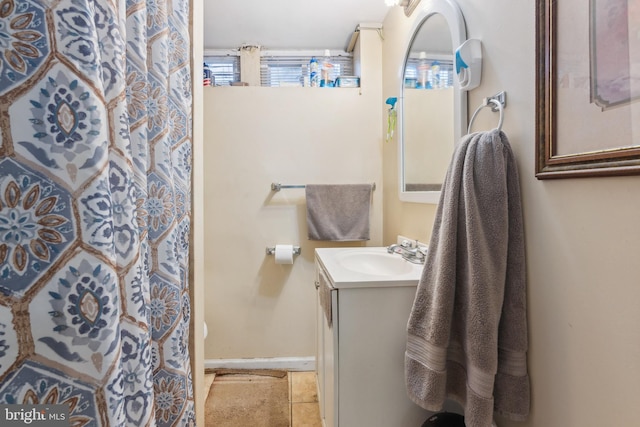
95	184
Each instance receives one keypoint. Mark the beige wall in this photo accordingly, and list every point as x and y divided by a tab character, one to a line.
583	239
254	136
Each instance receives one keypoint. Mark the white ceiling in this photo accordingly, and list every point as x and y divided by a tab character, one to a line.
287	24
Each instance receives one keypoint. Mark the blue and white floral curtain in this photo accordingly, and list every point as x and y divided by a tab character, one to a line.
95	165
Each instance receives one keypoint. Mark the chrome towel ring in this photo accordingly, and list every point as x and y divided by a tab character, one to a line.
489	102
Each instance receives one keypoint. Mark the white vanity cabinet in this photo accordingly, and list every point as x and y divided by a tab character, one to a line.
360	358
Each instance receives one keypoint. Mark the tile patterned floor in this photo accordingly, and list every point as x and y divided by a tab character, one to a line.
303	398
305	411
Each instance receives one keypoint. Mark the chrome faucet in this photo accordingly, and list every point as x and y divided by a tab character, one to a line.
416	254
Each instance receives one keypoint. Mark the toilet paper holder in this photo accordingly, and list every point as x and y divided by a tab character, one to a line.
271	250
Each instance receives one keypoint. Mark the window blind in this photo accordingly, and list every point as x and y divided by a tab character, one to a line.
224	68
284	70
440	77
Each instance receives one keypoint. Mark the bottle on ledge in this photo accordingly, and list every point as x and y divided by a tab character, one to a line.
314	77
327	70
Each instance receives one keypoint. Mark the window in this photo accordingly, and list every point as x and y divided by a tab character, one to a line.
439	73
225	69
289	70
277	68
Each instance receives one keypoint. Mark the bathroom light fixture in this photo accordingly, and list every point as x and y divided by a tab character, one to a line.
408	5
402	3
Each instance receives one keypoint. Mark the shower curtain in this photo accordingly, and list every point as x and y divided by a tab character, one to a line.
95	165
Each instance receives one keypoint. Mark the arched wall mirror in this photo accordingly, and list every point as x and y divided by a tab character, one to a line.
432	112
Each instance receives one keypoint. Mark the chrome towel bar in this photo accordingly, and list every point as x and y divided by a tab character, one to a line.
277	187
497	102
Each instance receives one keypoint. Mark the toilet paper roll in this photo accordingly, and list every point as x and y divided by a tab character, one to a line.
284	254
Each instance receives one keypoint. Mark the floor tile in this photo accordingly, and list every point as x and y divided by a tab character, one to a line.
248	400
305	415
236	394
303	387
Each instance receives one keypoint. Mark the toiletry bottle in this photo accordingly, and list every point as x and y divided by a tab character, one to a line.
314	77
327	68
423	71
206	75
435	73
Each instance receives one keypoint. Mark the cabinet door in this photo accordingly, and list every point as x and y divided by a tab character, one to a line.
331	362
326	359
320	370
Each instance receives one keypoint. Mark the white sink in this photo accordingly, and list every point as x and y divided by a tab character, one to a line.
367	267
374	263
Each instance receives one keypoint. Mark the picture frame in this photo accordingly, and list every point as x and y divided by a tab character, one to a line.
587	88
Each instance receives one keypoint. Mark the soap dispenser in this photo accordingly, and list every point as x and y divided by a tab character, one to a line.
469	64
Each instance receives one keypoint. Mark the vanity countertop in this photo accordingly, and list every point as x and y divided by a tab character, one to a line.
367	267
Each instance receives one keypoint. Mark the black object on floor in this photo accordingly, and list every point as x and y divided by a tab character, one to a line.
445	419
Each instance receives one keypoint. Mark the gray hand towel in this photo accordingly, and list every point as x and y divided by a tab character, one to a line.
324	290
338	212
467	331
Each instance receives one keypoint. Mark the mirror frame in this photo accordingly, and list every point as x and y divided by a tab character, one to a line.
453	15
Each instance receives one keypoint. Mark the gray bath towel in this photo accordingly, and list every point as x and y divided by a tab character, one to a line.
467	332
338	212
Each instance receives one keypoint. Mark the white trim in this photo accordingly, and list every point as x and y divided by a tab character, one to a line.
286	363
221	52
307	52
370	26
272	52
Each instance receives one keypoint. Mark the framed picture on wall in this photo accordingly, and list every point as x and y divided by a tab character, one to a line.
587	88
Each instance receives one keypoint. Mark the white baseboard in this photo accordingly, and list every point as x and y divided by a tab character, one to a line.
284	363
